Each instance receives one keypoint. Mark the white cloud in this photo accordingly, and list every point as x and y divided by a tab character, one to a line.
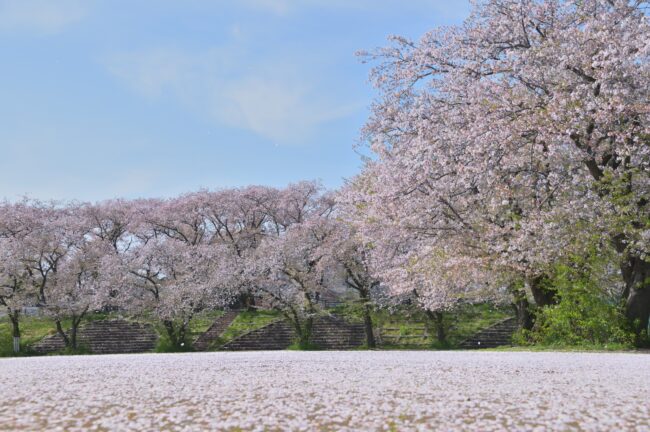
274	100
41	16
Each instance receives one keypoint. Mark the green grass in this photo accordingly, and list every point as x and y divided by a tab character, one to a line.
246	321
32	330
202	322
462	323
471	318
299	347
614	347
198	325
403	322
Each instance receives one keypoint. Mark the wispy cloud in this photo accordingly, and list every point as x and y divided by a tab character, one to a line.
278	7
281	109
270	99
41	16
286	7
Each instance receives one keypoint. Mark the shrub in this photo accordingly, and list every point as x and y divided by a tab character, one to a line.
588	312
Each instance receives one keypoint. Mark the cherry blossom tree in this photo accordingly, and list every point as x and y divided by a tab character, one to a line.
49	260
343	248
519	131
173	281
289	275
240	219
170	265
15	285
110	221
78	287
286	268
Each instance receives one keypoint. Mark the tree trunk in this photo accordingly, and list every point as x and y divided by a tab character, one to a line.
367	320
635	271
61	332
438	320
16	331
248	300
303	330
171	333
297	328
308	326
73	335
76	322
636	275
245	300
307	329
525	318
368	327
182	333
542	293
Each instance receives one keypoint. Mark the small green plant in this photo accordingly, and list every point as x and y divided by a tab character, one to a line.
165	345
297	346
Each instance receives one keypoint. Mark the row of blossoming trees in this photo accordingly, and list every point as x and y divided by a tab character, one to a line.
500	148
174	258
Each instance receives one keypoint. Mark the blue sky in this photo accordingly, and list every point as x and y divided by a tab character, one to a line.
141	98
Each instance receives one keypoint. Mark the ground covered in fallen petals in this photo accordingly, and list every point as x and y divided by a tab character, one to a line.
395	390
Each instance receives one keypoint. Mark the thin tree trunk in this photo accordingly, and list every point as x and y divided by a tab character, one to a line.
14	316
76	322
61	332
308	327
182	332
73	335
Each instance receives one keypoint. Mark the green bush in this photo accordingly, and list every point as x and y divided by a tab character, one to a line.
586	314
6	343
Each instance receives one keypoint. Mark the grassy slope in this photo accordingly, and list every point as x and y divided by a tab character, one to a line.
32	330
246	321
462	324
202	322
